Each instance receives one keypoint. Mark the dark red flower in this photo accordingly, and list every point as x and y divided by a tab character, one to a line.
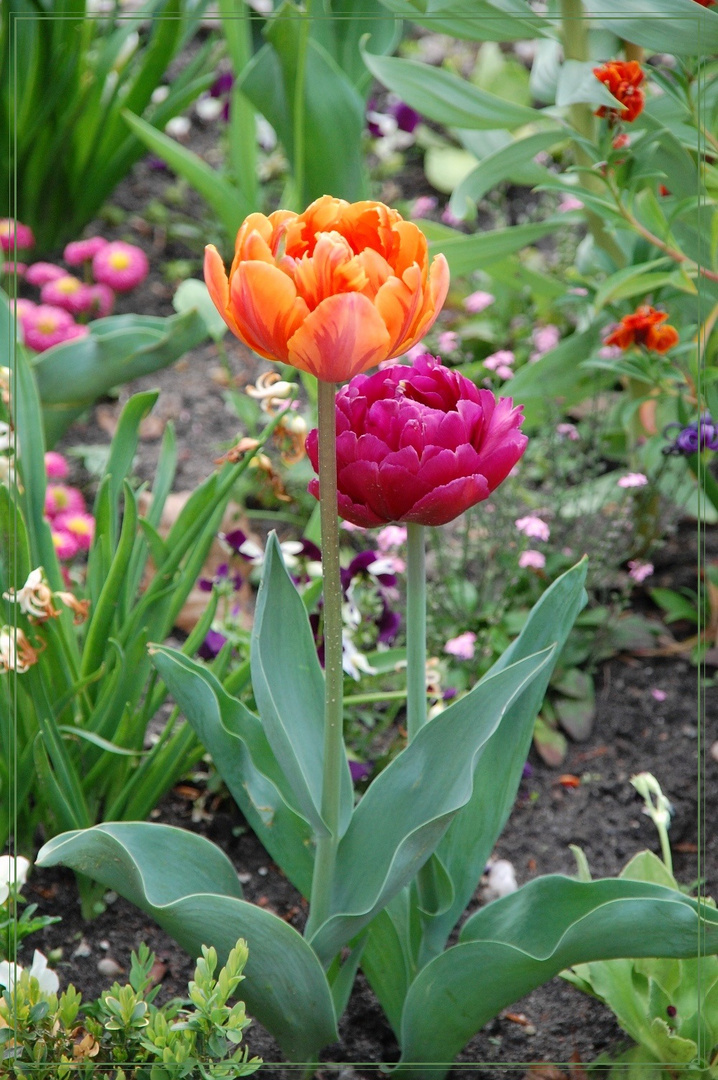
419	444
623	79
643	328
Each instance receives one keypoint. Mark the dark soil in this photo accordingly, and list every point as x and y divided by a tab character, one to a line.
633	732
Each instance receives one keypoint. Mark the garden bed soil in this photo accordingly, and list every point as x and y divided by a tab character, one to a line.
633	732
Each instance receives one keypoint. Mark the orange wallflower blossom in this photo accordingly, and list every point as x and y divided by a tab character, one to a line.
643	328
333	291
623	79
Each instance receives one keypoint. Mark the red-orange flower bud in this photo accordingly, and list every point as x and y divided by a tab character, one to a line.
623	79
644	327
332	291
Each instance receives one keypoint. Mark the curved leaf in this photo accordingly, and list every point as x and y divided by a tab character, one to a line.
288	685
680	27
190	888
446	98
474	20
465	254
521	941
498	167
410	805
243	757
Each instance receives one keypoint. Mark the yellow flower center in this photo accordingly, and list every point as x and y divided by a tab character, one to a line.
67	285
47	324
119	260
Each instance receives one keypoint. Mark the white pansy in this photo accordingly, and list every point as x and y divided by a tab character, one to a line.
12	871
47	979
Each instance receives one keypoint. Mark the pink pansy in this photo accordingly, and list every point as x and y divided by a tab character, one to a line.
423	206
639	571
533	527
419	444
67	292
534	560
56	467
121	266
42	272
658	695
80	251
62	499
66	546
478	301
502	358
13	233
462	646
448	341
81	526
568	431
393	536
103	301
568	203
632	480
48	325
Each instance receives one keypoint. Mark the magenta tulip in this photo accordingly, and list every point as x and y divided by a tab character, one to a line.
419	444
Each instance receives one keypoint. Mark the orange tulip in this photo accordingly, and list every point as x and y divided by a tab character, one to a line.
332	291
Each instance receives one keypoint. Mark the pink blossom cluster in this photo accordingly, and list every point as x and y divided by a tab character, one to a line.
71	526
66	301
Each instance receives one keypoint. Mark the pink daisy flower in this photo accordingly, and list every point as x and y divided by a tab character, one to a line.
62	499
42	272
534	560
12	232
462	646
80	251
639	571
423	205
17	268
67	292
121	266
66	546
448	341
48	325
503	358
632	480
533	527
78	525
103	301
478	301
56	467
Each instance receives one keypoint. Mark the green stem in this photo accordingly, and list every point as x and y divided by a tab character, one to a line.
298	133
334	677
415	631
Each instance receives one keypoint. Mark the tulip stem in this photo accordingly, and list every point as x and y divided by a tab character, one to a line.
333	701
415	630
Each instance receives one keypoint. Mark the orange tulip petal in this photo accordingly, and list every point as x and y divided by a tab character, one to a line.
333	268
400	304
215	277
377	270
433	303
342	337
413	248
265	304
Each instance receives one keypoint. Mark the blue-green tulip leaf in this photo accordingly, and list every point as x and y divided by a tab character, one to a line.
500	165
515	944
288	685
189	886
244	759
680	27
472	834
405	812
473	20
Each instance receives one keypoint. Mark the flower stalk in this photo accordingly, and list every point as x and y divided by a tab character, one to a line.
333	701
415	630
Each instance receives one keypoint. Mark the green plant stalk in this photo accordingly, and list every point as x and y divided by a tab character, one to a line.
415	630
298	118
325	859
574	34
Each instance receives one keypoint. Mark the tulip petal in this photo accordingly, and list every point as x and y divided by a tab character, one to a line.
266	307
444	503
343	336
400	304
215	277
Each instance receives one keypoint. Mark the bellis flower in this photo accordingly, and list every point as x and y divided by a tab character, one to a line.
62	499
65	544
332	291
48	325
623	79
79	525
56	467
13	233
531	559
643	327
80	251
462	646
419	444
102	300
119	265
42	272
533	527
67	292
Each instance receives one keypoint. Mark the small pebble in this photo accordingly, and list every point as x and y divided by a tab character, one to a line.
714	751
262	871
104	944
108	966
82	950
244	878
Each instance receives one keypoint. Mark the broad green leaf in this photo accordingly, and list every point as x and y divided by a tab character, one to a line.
520	942
386	961
223	197
288	687
446	167
557	375
465	254
445	98
243	757
408	808
577	84
498	167
471	837
70	377
631	281
473	20
189	886
193	294
680	27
